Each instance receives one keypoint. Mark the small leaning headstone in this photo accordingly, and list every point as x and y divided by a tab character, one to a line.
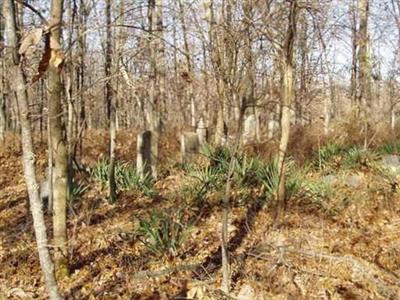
143	161
190	145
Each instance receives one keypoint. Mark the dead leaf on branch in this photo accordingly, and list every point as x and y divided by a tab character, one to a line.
30	40
52	55
44	62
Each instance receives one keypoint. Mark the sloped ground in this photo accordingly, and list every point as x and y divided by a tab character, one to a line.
346	247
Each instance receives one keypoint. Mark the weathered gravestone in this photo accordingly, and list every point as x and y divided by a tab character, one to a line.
190	145
391	163
350	180
331	179
246	293
354	180
273	127
249	130
44	190
201	131
144	160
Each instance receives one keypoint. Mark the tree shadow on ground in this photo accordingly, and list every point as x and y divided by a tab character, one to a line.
10	204
213	262
128	264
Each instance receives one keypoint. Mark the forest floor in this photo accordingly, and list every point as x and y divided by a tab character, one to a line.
338	242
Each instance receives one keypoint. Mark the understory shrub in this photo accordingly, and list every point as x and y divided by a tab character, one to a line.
126	177
163	233
389	148
78	188
324	157
268	175
318	193
357	157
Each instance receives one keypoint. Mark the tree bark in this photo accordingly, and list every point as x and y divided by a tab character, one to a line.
287	95
189	65
250	67
157	80
110	99
3	120
226	269
364	75
354	64
28	157
60	153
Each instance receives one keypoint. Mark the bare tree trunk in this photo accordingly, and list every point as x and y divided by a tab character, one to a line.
3	120
28	158
189	64
80	73
250	68
354	64
112	191
226	270
222	61
180	118
157	80
2	116
287	95
365	80
50	162
60	153
301	96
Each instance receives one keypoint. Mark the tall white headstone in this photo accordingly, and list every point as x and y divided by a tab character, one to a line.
201	131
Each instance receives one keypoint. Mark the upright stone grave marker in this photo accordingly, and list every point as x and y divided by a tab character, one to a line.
201	131
249	130
144	161
189	146
273	127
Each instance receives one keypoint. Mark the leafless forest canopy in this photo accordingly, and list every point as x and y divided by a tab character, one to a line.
199	149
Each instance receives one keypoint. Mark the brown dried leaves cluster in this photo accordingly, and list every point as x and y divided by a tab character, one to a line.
52	54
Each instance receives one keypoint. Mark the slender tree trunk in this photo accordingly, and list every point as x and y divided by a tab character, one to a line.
218	60
60	153
250	67
364	76
157	80
3	120
28	158
226	270
110	99
301	96
287	95
189	64
354	64
81	69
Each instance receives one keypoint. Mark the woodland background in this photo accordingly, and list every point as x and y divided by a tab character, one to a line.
294	194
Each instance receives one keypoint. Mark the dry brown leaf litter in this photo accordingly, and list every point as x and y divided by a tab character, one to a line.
353	254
